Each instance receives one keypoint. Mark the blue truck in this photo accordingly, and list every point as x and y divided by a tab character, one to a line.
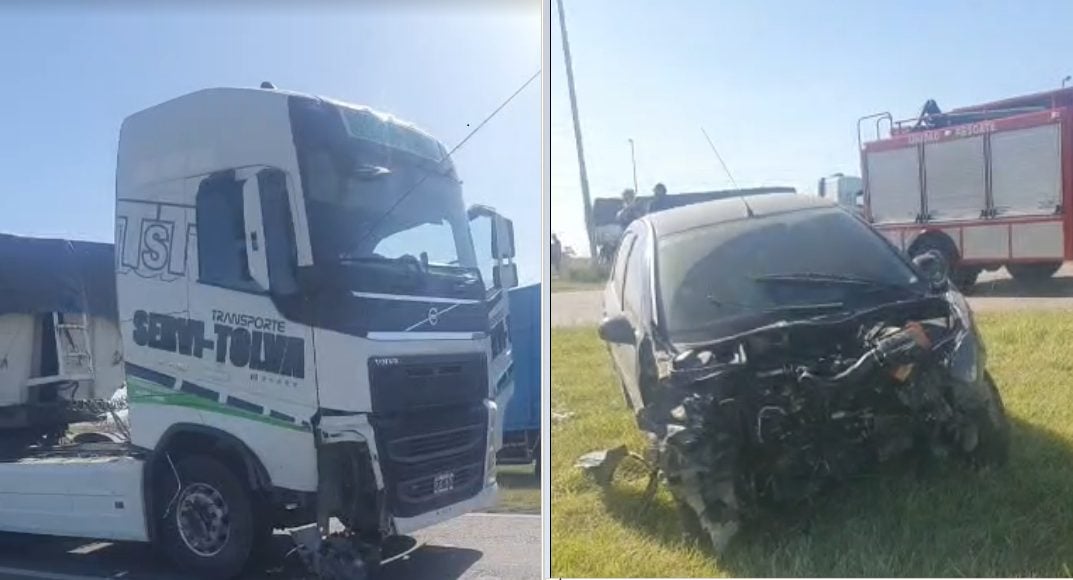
521	419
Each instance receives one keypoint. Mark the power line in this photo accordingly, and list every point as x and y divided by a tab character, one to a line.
493	114
719	157
448	156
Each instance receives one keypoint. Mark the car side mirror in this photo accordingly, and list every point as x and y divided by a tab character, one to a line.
932	266
617	330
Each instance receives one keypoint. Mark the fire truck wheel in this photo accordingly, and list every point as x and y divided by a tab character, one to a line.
208	527
1033	272
964	278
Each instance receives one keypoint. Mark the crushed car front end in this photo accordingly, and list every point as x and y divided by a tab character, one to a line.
778	414
772	385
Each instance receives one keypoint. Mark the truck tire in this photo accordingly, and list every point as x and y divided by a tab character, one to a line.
1033	273
961	276
208	528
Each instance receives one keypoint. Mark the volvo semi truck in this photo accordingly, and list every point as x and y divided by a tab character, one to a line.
311	337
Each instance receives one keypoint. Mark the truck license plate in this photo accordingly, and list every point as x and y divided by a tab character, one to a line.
443	483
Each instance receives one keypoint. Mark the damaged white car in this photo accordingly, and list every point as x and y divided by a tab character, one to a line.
774	345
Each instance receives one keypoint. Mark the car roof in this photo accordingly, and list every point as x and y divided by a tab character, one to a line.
680	219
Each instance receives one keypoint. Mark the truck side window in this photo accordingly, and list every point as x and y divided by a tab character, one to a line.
221	234
280	247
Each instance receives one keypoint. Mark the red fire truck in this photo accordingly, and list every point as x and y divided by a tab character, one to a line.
987	186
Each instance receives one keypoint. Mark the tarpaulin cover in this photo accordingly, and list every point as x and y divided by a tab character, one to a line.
50	275
523	408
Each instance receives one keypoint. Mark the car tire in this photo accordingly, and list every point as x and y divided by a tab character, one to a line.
208	529
724	528
992	428
1033	273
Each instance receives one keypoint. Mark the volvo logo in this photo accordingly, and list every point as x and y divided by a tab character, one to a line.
433	316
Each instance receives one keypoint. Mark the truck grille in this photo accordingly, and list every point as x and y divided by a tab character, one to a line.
431	428
432	458
404	383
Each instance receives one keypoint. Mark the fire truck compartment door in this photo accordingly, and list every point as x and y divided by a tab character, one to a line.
1026	170
955	179
894	185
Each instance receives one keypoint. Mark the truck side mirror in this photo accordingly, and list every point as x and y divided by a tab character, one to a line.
256	261
505	276
502	237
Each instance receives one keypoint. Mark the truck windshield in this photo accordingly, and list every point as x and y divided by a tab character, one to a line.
390	212
383	204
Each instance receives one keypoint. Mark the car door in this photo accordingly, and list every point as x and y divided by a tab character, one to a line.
634	297
613	294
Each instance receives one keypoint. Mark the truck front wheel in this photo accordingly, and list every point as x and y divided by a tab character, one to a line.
208	528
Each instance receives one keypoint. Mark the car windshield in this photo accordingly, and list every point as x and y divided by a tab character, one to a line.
719	279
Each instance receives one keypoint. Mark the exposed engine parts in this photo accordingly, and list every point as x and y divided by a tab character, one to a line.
775	416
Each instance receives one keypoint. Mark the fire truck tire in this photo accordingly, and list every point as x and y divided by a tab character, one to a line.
208	528
963	277
1033	272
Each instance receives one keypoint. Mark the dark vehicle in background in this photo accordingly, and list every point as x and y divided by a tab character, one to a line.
607	230
772	346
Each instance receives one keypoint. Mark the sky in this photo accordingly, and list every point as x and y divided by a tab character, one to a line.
71	75
777	85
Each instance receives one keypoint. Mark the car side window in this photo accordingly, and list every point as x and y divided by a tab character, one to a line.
618	273
633	289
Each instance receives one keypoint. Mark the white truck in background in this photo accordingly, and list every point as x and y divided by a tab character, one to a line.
845	190
309	333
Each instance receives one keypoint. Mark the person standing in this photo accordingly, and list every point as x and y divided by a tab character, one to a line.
631	209
660	201
556	254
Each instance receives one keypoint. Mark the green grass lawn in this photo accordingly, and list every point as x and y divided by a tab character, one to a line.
519	490
1014	521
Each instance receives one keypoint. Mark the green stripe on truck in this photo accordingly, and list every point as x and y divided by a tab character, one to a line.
146	392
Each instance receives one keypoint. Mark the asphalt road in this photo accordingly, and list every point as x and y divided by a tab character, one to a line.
994	291
472	547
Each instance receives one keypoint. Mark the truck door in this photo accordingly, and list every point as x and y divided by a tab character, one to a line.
493	239
256	369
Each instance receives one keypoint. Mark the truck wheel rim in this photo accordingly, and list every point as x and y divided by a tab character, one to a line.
203	519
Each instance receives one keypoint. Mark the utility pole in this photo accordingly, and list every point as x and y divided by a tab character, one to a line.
577	133
633	159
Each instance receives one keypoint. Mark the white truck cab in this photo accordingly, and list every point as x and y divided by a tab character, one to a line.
309	332
845	190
